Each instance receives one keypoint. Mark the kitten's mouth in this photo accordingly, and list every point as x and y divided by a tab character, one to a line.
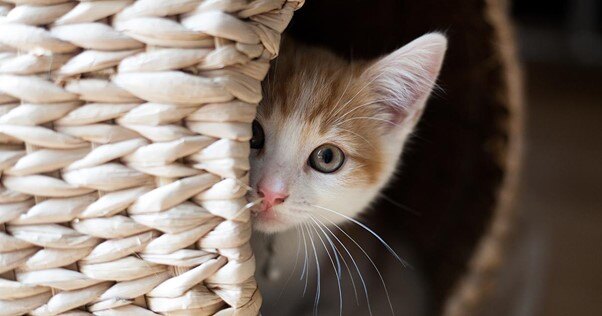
268	221
267	215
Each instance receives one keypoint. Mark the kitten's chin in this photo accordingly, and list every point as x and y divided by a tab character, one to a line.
270	225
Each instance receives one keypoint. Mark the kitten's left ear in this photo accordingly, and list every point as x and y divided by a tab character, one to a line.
404	79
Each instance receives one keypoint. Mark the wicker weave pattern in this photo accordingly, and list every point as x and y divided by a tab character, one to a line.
124	129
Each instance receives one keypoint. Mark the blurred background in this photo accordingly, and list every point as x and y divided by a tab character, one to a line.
560	196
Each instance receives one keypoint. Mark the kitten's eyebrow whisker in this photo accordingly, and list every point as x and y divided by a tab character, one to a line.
341	97
357	108
370	118
290	275
357	269
362	89
363	105
334	268
354	96
362	225
382	280
358	135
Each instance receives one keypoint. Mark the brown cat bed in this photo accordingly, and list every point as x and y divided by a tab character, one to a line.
460	170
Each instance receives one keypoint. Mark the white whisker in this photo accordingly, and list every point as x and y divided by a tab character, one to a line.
318	283
337	266
362	89
382	241
369	118
401	206
339	255
382	280
358	135
357	108
290	275
365	104
305	265
334	268
357	269
341	97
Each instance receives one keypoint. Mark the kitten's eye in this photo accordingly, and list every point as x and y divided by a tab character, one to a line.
326	158
258	136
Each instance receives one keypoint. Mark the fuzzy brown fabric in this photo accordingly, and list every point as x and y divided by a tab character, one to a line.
456	166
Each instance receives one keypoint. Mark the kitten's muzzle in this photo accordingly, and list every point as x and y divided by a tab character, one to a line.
270	199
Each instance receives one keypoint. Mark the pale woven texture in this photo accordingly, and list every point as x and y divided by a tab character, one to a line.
124	129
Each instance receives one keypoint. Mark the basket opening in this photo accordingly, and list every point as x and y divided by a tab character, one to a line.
454	167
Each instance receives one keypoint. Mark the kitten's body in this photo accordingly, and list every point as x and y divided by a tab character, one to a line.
282	288
365	111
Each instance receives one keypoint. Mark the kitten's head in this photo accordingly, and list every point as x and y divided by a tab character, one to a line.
329	134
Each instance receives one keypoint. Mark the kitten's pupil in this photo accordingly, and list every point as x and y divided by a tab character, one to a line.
258	139
327	155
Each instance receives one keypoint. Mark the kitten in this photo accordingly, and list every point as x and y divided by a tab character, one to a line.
329	134
328	137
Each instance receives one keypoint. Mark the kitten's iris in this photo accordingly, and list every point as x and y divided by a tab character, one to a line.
326	158
258	136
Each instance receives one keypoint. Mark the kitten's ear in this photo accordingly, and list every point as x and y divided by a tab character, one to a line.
404	79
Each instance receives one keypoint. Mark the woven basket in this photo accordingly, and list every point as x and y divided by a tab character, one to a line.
124	129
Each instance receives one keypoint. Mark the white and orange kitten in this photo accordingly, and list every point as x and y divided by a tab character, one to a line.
329	135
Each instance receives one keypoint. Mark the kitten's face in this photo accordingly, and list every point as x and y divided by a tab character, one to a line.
328	134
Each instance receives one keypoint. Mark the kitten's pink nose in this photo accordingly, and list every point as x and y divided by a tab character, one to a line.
272	195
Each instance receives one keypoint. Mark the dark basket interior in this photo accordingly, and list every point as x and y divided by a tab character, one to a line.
455	165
